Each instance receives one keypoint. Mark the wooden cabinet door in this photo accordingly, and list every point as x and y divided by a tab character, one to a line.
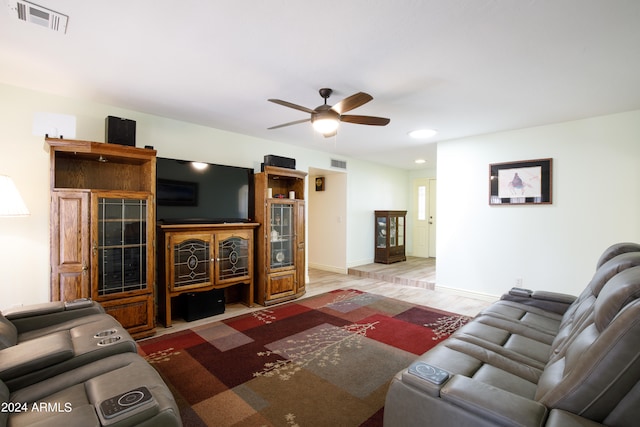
234	256
300	248
190	260
136	314
281	284
70	237
122	244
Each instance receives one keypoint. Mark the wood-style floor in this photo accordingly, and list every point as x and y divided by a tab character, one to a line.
412	280
418	272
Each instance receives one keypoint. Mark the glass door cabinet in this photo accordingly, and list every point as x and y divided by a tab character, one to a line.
390	229
280	245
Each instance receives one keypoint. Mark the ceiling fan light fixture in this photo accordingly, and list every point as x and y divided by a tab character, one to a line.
325	126
423	133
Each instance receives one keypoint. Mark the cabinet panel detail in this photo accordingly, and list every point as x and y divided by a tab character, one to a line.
133	313
281	285
233	258
191	263
281	237
121	245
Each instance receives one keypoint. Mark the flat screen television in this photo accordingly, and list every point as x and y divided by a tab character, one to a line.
210	194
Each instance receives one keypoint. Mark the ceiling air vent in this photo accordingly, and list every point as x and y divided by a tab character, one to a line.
29	12
342	164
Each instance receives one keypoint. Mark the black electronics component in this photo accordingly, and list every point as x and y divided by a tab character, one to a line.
428	372
283	162
130	402
198	305
120	131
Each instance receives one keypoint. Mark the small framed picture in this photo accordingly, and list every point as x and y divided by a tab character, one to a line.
320	183
523	182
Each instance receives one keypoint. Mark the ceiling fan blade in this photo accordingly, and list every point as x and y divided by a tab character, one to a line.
290	105
290	123
351	102
365	120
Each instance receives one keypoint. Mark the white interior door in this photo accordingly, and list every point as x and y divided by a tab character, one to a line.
432	218
421	217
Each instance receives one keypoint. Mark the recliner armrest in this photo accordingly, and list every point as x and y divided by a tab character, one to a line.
35	354
560	418
492	403
33	310
550	301
553	296
36	316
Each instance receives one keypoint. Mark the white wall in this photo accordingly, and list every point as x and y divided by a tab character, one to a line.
596	202
24	242
327	222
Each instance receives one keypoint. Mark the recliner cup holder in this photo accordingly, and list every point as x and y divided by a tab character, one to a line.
105	333
110	340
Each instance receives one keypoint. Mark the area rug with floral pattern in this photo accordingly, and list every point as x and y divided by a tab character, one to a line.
320	361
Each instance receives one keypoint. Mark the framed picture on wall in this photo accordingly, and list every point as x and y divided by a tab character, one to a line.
519	183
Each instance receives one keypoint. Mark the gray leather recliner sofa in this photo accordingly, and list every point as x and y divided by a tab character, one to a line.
535	359
43	340
74	365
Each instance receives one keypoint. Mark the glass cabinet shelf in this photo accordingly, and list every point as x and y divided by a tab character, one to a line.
121	245
282	235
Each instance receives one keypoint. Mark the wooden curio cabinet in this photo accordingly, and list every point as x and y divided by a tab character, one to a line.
390	228
280	240
102	228
197	258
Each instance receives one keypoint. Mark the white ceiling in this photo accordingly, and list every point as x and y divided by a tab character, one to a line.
463	67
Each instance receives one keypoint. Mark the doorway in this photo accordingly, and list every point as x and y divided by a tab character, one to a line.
424	217
326	220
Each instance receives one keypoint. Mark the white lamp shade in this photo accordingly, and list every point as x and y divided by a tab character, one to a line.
11	203
325	125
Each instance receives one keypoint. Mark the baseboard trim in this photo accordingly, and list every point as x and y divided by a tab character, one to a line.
359	263
329	268
468	294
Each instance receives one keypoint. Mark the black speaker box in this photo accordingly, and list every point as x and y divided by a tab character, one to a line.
198	305
283	162
120	131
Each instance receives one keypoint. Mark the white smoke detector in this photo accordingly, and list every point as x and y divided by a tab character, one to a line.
30	12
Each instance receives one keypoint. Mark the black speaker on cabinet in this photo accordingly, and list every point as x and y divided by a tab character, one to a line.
120	131
283	162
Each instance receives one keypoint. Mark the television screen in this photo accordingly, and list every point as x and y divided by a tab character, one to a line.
209	194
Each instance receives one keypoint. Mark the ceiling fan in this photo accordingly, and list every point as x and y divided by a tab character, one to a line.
325	118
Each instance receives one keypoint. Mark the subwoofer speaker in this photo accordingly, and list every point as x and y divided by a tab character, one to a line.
283	162
120	131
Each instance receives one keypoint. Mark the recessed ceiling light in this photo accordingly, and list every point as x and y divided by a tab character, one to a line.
422	133
420	161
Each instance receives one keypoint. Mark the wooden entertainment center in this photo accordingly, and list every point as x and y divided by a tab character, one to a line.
106	245
102	233
202	257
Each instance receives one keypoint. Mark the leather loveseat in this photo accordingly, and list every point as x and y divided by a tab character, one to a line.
72	364
535	359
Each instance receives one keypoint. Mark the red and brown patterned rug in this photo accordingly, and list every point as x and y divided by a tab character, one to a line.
320	361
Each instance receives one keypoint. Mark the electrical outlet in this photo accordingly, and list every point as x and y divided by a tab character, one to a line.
519	282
